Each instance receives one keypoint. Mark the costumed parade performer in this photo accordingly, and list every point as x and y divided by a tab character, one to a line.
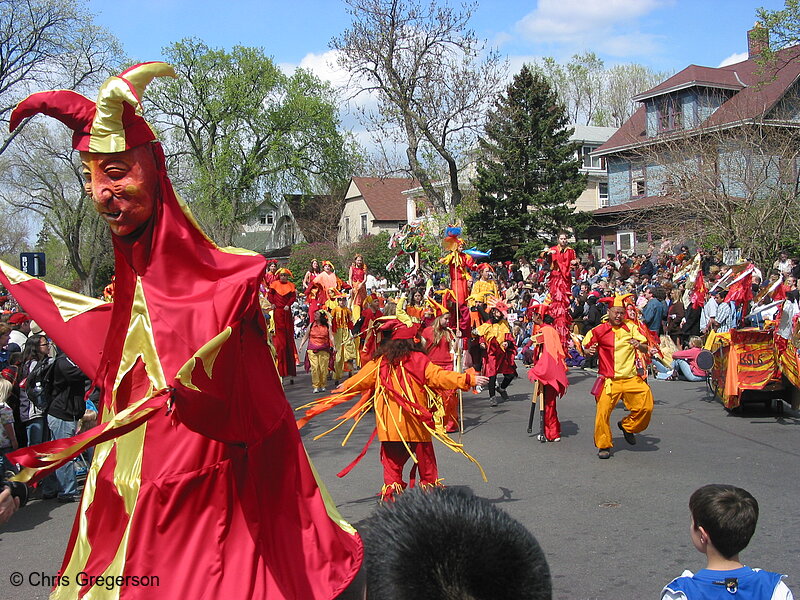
620	346
549	371
199	477
459	265
345	353
496	340
282	294
559	286
318	340
358	285
367	334
271	274
401	385
440	345
482	289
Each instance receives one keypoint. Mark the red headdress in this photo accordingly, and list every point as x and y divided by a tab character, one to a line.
499	305
398	329
620	300
485	265
283	270
112	124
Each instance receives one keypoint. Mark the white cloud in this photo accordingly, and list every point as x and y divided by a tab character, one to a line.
608	27
733	59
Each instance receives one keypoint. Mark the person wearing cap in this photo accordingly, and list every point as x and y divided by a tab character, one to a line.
549	369
20	324
620	346
401	385
282	294
497	342
197	454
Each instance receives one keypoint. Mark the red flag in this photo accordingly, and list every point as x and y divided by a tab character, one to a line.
698	297
741	291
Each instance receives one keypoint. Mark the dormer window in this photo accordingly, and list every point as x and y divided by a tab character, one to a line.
670	116
591	162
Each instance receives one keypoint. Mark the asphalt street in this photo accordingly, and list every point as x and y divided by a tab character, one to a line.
611	529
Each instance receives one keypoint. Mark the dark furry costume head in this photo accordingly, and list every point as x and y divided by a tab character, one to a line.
445	544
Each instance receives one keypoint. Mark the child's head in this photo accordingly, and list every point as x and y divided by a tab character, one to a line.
696	341
727	514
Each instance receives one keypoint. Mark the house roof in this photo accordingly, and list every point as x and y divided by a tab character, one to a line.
757	90
591	133
384	196
638	204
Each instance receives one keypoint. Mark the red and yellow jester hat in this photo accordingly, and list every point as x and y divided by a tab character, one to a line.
327	262
283	270
438	309
398	329
112	124
620	300
499	305
539	308
485	265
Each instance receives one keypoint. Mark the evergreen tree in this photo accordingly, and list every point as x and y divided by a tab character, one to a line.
527	175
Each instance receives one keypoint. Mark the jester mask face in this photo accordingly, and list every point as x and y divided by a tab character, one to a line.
123	186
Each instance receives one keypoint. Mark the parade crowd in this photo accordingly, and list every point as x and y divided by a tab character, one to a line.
179	394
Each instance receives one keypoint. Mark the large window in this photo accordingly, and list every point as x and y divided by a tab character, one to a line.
592	162
625	241
364	224
670	115
347	229
602	194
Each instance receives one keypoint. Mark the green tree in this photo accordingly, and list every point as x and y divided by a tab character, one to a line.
527	176
238	128
778	29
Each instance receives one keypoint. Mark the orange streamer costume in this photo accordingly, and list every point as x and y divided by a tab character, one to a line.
408	412
199	475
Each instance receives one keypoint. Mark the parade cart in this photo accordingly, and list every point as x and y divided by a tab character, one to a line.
746	368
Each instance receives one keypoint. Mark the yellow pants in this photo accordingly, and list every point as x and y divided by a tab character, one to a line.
345	350
319	367
638	398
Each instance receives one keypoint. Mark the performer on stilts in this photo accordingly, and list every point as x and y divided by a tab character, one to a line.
401	384
282	294
199	480
562	259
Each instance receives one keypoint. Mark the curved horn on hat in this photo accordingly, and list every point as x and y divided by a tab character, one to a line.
71	108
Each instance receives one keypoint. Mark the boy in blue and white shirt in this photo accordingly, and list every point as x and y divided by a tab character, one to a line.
723	521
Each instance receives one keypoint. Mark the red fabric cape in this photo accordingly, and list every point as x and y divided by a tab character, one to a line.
217	498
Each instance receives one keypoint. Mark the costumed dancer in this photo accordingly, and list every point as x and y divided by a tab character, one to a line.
319	342
358	285
549	369
271	274
282	294
328	279
368	334
345	353
483	288
108	291
562	258
498	343
192	412
401	384
313	270
459	265
620	346
440	345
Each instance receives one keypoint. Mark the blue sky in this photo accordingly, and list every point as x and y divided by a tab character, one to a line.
666	35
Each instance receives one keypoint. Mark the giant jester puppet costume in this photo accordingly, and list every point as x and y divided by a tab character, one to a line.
199	475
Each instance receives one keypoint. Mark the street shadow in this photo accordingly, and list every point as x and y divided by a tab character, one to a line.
644	443
471	423
31	515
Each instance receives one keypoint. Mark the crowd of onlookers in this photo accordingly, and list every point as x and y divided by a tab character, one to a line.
41	398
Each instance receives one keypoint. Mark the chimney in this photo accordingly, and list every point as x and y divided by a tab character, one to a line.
757	41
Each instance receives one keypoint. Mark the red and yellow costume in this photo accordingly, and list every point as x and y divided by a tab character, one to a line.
622	367
369	334
345	353
199	475
441	354
459	264
408	411
358	291
282	296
